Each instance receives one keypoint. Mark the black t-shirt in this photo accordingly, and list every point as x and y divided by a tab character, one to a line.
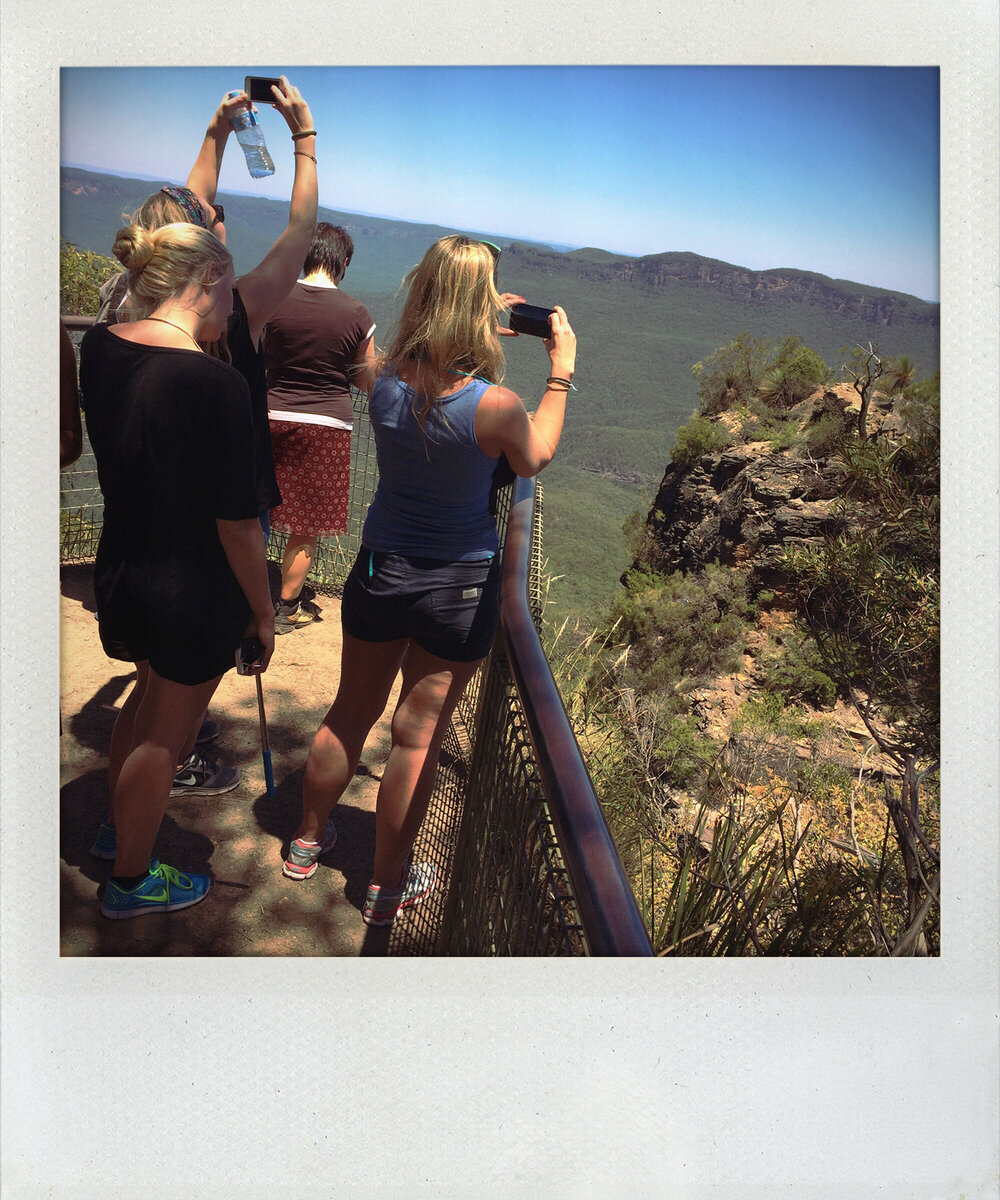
248	360
173	435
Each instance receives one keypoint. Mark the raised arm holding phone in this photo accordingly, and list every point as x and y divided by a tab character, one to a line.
253	297
423	594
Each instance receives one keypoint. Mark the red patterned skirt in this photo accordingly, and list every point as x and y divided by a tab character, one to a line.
313	467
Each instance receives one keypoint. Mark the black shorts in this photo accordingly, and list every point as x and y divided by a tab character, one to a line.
450	609
183	637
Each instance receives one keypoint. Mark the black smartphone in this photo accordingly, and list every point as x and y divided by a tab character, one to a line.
249	654
258	88
530	318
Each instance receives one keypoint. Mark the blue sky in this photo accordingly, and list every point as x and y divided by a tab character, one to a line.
828	169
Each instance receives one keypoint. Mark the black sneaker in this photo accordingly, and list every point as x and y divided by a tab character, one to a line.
199	776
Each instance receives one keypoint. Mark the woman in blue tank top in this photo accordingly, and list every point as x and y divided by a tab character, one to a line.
423	594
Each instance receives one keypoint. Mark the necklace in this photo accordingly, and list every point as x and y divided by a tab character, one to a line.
164	321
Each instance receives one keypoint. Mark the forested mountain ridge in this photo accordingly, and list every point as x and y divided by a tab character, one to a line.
642	324
843	297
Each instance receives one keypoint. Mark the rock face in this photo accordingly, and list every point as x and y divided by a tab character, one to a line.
746	504
866	304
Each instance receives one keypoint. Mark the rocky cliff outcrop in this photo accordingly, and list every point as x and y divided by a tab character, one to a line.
744	505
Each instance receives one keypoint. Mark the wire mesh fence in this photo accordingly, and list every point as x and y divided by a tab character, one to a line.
503	886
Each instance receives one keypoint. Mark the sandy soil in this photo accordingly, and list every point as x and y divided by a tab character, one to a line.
239	838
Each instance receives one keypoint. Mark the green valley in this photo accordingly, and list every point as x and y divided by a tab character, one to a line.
641	324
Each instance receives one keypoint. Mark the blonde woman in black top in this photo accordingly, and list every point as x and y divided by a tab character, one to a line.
172	432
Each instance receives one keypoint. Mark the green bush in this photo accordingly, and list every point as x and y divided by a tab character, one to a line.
827	434
640	539
731	374
682	750
796	374
766	712
699	436
81	274
796	673
817	779
872	594
681	628
781	435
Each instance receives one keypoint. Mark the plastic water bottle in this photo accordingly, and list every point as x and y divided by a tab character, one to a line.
251	137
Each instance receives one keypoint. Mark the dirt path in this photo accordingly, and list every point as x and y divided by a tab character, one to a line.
240	838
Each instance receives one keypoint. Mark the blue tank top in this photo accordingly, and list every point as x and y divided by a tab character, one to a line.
433	492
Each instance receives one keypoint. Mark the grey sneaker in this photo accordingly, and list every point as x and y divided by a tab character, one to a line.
290	616
208	732
303	857
199	776
382	905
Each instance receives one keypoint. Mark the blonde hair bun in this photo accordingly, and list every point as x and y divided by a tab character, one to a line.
133	247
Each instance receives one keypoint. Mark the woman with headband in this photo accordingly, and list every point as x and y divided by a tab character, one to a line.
173	436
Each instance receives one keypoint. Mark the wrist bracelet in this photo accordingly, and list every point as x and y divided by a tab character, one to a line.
558	379
303	154
303	133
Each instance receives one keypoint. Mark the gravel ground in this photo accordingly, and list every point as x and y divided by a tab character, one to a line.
239	838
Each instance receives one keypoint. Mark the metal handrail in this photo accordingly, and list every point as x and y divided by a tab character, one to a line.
74	323
610	916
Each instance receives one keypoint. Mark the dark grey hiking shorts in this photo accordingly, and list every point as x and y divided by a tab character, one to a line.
450	609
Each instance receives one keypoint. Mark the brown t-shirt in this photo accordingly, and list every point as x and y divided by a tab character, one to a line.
310	344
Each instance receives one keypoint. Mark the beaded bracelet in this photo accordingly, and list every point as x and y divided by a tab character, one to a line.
303	133
303	154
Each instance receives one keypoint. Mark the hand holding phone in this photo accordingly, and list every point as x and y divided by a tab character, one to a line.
561	345
258	88
249	656
531	318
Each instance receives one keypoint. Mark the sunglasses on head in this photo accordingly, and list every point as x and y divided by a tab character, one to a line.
496	252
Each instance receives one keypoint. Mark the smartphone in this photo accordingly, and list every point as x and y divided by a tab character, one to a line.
530	318
258	88
250	654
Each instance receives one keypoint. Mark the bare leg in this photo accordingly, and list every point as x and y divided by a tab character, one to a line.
367	673
123	734
299	553
432	687
188	744
163	721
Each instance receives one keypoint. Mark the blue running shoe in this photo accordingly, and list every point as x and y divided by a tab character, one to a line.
165	889
104	843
